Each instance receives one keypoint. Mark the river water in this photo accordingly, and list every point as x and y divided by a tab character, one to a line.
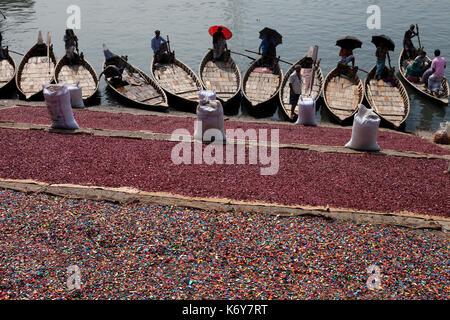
127	28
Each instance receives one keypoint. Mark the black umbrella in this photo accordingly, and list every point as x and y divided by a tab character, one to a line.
377	40
349	42
271	33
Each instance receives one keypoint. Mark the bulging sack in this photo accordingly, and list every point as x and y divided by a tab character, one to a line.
442	136
209	125
57	100
365	130
76	96
307	111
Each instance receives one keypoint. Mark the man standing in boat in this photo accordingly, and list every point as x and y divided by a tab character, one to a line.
295	85
159	46
268	49
381	54
408	46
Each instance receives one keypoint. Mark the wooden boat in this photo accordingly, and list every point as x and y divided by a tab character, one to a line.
7	70
261	86
179	82
404	63
136	87
390	103
342	95
81	72
225	78
35	69
307	89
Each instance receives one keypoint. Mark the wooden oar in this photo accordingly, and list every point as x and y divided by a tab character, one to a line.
287	62
49	40
241	54
359	69
313	76
20	54
418	36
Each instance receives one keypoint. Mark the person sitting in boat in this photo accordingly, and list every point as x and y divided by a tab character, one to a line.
433	77
268	50
381	54
422	61
408	46
295	85
159	46
414	72
71	43
219	45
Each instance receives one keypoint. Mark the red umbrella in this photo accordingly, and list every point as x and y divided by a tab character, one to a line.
226	32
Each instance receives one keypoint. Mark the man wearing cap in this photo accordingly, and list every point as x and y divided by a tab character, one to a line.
295	84
159	45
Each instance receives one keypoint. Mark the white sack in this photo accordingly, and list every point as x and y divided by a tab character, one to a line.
76	96
210	116
307	111
57	99
365	130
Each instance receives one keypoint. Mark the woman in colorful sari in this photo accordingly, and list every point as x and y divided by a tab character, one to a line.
414	72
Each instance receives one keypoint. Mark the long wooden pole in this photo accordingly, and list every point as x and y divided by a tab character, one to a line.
241	54
49	40
287	62
20	54
418	36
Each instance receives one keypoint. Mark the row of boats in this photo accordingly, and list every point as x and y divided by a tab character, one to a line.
263	87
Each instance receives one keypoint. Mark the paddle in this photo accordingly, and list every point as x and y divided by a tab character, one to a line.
316	67
3	15
418	36
287	62
49	40
240	54
20	54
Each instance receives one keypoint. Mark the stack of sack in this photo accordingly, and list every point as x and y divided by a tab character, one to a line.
365	130
307	111
210	118
57	99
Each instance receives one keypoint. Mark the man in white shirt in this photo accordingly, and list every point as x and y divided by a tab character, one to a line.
295	84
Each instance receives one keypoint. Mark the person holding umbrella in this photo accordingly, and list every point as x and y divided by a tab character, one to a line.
268	47
384	44
220	36
348	44
381	54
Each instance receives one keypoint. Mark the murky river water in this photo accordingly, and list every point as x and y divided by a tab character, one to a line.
127	27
